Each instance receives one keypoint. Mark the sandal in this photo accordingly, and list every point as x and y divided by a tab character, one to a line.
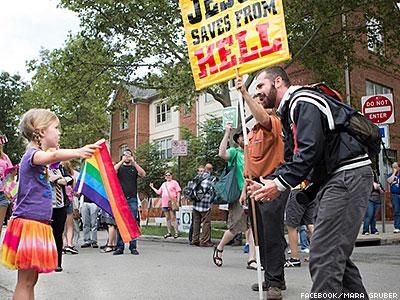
252	265
216	258
167	235
108	248
176	235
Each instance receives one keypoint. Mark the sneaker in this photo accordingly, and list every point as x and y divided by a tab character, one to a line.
376	232
396	231
289	251
274	293
246	248
118	252
365	233
95	245
307	250
254	286
292	262
86	245
71	250
134	252
58	269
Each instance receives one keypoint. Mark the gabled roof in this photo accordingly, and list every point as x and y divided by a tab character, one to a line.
137	93
141	93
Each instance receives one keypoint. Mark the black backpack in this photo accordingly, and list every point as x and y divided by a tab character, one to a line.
346	118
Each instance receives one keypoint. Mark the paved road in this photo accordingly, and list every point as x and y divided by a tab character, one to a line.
179	271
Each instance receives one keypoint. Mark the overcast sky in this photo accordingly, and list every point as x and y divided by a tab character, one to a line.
26	26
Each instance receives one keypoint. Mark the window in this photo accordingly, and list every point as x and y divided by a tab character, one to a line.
375	36
124	119
163	113
373	88
165	148
122	148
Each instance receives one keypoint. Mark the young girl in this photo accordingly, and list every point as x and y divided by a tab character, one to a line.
28	244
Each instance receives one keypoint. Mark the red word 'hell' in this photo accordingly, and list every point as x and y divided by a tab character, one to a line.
224	52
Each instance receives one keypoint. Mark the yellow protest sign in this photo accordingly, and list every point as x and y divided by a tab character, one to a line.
225	35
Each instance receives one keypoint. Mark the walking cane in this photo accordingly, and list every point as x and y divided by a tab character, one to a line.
253	207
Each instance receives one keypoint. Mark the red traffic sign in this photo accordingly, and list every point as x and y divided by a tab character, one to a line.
378	108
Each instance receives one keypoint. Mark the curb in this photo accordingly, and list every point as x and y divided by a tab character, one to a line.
179	240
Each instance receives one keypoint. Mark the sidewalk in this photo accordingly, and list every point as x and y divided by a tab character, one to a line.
383	238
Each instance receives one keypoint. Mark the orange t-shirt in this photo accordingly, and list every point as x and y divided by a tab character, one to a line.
265	149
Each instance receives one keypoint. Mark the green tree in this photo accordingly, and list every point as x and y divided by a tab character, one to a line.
202	149
11	90
148	157
150	33
324	34
77	91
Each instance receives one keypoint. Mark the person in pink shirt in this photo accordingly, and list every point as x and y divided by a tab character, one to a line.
170	191
5	163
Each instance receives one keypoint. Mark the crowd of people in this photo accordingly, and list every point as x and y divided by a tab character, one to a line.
289	172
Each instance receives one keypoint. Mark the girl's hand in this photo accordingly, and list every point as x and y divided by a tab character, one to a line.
151	185
87	151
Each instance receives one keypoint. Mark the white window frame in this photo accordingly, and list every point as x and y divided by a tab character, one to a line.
165	147
163	111
124	119
373	88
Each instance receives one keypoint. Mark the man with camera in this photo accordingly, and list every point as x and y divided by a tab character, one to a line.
127	171
341	168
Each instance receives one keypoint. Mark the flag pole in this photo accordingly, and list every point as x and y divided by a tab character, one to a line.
82	178
253	207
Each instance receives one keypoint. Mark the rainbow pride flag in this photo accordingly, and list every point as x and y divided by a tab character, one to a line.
99	182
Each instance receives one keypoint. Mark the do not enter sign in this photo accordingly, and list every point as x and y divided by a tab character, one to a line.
378	108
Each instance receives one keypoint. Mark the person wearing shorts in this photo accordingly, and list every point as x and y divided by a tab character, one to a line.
297	213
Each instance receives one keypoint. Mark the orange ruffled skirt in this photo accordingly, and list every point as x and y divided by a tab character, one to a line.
29	244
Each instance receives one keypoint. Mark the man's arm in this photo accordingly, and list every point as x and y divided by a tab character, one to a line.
224	143
139	169
392	177
257	110
310	139
118	165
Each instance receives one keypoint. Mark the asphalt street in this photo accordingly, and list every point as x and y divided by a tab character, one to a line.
166	270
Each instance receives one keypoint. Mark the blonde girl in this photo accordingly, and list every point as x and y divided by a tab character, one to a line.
28	244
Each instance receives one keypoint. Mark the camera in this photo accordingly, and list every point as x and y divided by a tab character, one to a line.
308	194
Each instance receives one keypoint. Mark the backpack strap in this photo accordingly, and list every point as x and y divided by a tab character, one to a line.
312	96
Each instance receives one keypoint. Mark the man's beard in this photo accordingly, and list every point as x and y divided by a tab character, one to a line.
268	101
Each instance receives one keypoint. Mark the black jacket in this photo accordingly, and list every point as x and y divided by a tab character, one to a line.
315	147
